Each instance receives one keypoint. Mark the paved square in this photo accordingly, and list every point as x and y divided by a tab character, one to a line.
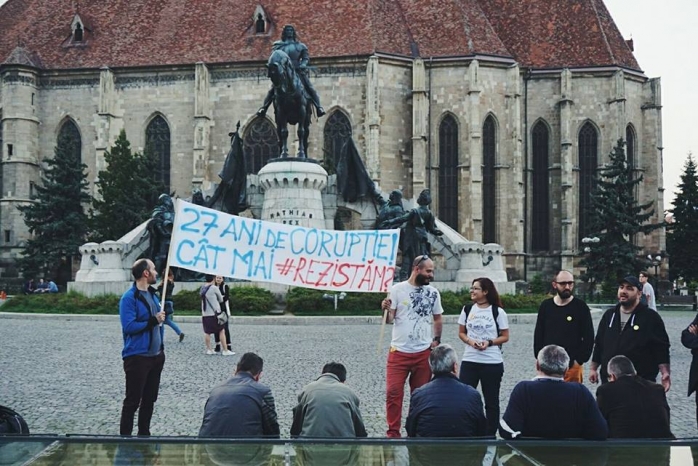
66	376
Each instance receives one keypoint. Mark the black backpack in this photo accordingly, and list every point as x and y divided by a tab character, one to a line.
12	423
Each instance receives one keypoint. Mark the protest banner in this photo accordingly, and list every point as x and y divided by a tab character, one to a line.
216	243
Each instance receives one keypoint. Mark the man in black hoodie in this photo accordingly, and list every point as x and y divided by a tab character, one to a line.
634	330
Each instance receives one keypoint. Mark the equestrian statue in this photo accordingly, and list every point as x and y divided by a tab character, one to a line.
291	93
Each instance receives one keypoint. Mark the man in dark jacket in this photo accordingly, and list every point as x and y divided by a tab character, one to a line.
445	407
635	331
689	339
144	352
565	320
548	408
241	406
633	407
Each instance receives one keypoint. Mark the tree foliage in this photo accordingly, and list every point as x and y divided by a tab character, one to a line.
682	240
57	218
128	191
616	218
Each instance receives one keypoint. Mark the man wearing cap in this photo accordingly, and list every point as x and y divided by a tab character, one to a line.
633	330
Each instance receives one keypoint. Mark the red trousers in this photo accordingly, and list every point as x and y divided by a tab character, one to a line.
400	366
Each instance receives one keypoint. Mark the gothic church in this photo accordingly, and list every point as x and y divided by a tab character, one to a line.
503	108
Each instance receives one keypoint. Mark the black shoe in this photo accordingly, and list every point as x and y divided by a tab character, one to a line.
320	112
181	337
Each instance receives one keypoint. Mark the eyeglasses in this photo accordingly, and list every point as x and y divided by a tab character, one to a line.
565	283
475	289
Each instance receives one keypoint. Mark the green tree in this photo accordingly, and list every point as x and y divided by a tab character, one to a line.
616	218
128	190
57	218
682	240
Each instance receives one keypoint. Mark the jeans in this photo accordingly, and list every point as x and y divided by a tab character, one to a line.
490	375
400	366
142	386
172	324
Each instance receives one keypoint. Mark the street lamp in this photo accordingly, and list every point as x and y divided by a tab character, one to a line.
656	262
588	243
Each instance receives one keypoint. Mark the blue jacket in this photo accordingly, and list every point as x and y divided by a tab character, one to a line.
445	407
138	322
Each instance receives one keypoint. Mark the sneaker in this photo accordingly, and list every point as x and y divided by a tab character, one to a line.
209	351
228	353
181	337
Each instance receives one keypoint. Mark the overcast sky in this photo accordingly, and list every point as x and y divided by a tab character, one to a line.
665	34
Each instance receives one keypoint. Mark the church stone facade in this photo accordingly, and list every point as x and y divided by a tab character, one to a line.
504	111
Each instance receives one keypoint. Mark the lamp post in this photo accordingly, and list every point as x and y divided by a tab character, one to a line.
588	242
656	261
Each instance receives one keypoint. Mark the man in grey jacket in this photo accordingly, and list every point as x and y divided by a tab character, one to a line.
328	408
241	406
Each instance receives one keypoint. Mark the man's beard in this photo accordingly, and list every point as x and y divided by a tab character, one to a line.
421	280
564	294
628	303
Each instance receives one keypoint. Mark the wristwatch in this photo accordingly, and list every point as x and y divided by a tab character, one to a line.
437	339
491	343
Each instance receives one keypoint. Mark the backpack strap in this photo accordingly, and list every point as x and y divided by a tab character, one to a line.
495	316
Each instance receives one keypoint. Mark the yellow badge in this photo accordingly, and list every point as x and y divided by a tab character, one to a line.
569	318
636	327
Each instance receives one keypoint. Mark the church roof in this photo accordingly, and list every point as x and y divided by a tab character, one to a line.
129	33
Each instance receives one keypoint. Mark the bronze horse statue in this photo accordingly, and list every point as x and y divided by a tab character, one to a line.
292	104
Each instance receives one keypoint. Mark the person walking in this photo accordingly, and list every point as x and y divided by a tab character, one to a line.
212	317
483	327
565	320
169	304
648	291
225	307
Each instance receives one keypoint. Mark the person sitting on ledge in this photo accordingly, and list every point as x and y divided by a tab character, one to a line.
547	407
445	407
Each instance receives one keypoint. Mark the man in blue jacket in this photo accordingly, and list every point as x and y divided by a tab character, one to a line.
144	352
445	407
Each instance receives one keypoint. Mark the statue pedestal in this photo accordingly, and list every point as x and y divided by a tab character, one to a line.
293	193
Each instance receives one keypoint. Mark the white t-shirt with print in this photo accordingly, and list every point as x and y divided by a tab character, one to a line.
415	307
481	327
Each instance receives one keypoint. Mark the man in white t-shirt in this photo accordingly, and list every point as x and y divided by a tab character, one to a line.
414	307
648	290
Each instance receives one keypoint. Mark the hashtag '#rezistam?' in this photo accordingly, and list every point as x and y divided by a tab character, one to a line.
287	267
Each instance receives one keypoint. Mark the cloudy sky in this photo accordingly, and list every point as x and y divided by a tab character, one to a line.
665	34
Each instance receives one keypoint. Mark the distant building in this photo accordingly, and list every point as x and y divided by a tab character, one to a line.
504	108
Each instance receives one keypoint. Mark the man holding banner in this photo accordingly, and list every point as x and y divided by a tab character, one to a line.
414	306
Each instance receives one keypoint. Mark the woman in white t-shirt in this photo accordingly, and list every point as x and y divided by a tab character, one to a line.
482	359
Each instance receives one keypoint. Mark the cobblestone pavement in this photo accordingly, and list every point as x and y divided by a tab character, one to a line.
66	376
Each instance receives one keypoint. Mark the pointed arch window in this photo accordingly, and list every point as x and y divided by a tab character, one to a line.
588	163
489	182
448	172
260	25
630	147
157	142
540	215
260	144
336	133
70	136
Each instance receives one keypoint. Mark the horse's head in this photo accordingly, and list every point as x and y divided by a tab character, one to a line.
280	70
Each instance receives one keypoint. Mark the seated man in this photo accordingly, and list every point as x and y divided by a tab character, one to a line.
52	287
328	408
547	407
633	407
42	287
241	406
445	407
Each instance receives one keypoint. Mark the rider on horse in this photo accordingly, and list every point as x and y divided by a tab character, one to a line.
298	53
